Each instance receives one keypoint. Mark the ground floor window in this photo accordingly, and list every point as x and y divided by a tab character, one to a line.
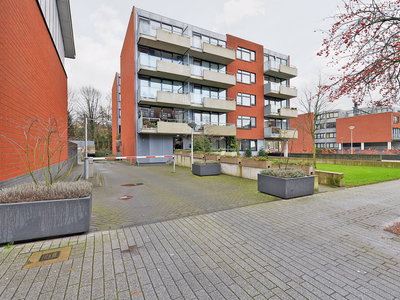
247	144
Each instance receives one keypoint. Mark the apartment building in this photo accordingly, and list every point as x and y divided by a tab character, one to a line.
373	128
173	74
35	39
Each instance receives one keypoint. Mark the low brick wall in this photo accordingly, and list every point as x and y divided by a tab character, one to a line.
330	178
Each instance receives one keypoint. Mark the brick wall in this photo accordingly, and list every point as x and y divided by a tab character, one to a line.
32	80
257	89
114	97
128	111
372	128
302	125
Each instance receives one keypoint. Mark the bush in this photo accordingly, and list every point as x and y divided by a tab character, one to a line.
118	137
284	173
201	143
257	158
248	153
29	192
262	152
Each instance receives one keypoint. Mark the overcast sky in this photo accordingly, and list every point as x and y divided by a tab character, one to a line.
287	26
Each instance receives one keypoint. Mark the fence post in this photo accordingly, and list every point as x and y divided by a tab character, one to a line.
174	165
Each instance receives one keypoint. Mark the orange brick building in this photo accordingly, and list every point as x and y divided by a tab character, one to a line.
173	74
35	38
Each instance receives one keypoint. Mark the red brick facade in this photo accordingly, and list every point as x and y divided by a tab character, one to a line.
114	97
128	93
256	89
373	128
304	142
32	79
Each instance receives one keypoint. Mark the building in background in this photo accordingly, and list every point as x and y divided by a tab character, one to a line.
173	73
35	39
374	128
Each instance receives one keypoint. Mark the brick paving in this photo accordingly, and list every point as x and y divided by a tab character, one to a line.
325	246
163	195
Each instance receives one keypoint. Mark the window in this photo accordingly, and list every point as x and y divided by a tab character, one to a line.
248	144
245	77
246	122
331	125
246	99
395	120
319	135
245	54
320	126
278	60
199	39
331	135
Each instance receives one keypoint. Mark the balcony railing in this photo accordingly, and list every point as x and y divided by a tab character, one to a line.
147	29
199	98
151	92
279	70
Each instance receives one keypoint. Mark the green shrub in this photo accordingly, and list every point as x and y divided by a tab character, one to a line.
248	153
201	143
29	192
284	173
118	137
262	152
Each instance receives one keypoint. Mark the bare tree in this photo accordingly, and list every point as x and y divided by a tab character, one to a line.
313	102
88	106
105	117
71	110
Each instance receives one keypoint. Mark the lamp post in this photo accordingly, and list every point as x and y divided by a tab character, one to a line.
191	125
351	131
342	146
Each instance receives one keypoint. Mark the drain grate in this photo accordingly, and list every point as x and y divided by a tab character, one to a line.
128	184
125	197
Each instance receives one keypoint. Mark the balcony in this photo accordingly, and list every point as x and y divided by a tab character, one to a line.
151	96
153	66
276	90
212	104
221	129
214	78
212	52
278	133
280	113
157	38
157	126
273	68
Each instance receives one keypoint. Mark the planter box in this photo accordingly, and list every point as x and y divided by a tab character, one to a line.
256	164
212	157
230	160
178	152
41	219
308	169
286	187
187	154
206	170
197	155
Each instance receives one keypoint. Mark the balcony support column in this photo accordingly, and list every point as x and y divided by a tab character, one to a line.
389	145
362	146
286	148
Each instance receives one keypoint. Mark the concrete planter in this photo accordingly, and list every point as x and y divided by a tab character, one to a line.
212	157
187	154
308	169
198	155
256	164
230	160
206	170
178	152
41	219
286	187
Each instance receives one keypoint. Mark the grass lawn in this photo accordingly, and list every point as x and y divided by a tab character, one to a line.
357	175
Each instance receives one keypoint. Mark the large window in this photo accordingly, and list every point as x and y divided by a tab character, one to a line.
245	77
246	122
395	120
276	103
246	99
331	135
150	85
197	67
248	144
326	145
331	125
148	57
276	59
199	39
150	27
245	54
320	135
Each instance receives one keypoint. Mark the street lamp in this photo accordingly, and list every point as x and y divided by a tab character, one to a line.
351	131
191	125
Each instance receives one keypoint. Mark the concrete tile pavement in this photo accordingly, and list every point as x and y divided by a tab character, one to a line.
326	246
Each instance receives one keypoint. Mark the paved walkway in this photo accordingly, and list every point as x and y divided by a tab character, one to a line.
161	195
326	246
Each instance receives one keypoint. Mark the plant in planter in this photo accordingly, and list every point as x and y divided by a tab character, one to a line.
50	207
202	145
285	183
307	167
260	162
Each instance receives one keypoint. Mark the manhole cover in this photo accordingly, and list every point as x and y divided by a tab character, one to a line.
125	197
128	184
48	257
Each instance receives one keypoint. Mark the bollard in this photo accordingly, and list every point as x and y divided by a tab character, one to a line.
173	171
86	167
